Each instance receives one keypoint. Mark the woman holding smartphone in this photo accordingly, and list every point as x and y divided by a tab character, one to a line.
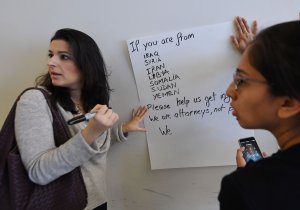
265	94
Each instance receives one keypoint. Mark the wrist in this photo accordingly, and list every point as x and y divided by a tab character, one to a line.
125	128
90	135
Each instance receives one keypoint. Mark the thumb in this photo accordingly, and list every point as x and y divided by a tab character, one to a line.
240	161
265	154
254	27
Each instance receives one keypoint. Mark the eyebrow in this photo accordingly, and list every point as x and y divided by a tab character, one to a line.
241	71
61	52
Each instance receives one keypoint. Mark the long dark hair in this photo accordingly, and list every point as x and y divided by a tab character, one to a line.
275	53
89	60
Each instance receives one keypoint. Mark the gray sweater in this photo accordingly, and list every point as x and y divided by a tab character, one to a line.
45	162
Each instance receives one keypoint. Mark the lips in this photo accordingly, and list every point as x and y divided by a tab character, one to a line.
55	77
55	74
234	113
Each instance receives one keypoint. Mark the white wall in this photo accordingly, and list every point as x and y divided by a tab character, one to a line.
26	27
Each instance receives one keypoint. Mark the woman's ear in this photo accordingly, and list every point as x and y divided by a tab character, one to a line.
290	107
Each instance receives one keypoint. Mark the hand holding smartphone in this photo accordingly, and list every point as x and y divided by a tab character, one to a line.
251	151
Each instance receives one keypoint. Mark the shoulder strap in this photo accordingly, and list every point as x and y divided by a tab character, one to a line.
7	133
60	128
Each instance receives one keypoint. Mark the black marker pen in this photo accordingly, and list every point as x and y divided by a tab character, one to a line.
81	118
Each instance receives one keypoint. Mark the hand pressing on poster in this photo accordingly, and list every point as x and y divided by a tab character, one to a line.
137	117
244	34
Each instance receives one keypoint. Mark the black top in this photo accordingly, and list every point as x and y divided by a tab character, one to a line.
272	183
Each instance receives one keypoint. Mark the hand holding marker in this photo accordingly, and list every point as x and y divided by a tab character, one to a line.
81	118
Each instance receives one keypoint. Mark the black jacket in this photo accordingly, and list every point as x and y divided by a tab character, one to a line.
272	183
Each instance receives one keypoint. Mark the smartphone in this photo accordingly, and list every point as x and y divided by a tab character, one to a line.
251	151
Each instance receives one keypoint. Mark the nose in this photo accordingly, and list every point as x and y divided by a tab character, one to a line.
51	62
231	92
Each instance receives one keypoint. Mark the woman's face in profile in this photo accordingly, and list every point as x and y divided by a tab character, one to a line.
253	105
62	67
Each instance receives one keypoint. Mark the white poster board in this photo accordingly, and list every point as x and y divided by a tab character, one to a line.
182	77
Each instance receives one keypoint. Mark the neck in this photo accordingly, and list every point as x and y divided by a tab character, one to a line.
288	137
75	96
